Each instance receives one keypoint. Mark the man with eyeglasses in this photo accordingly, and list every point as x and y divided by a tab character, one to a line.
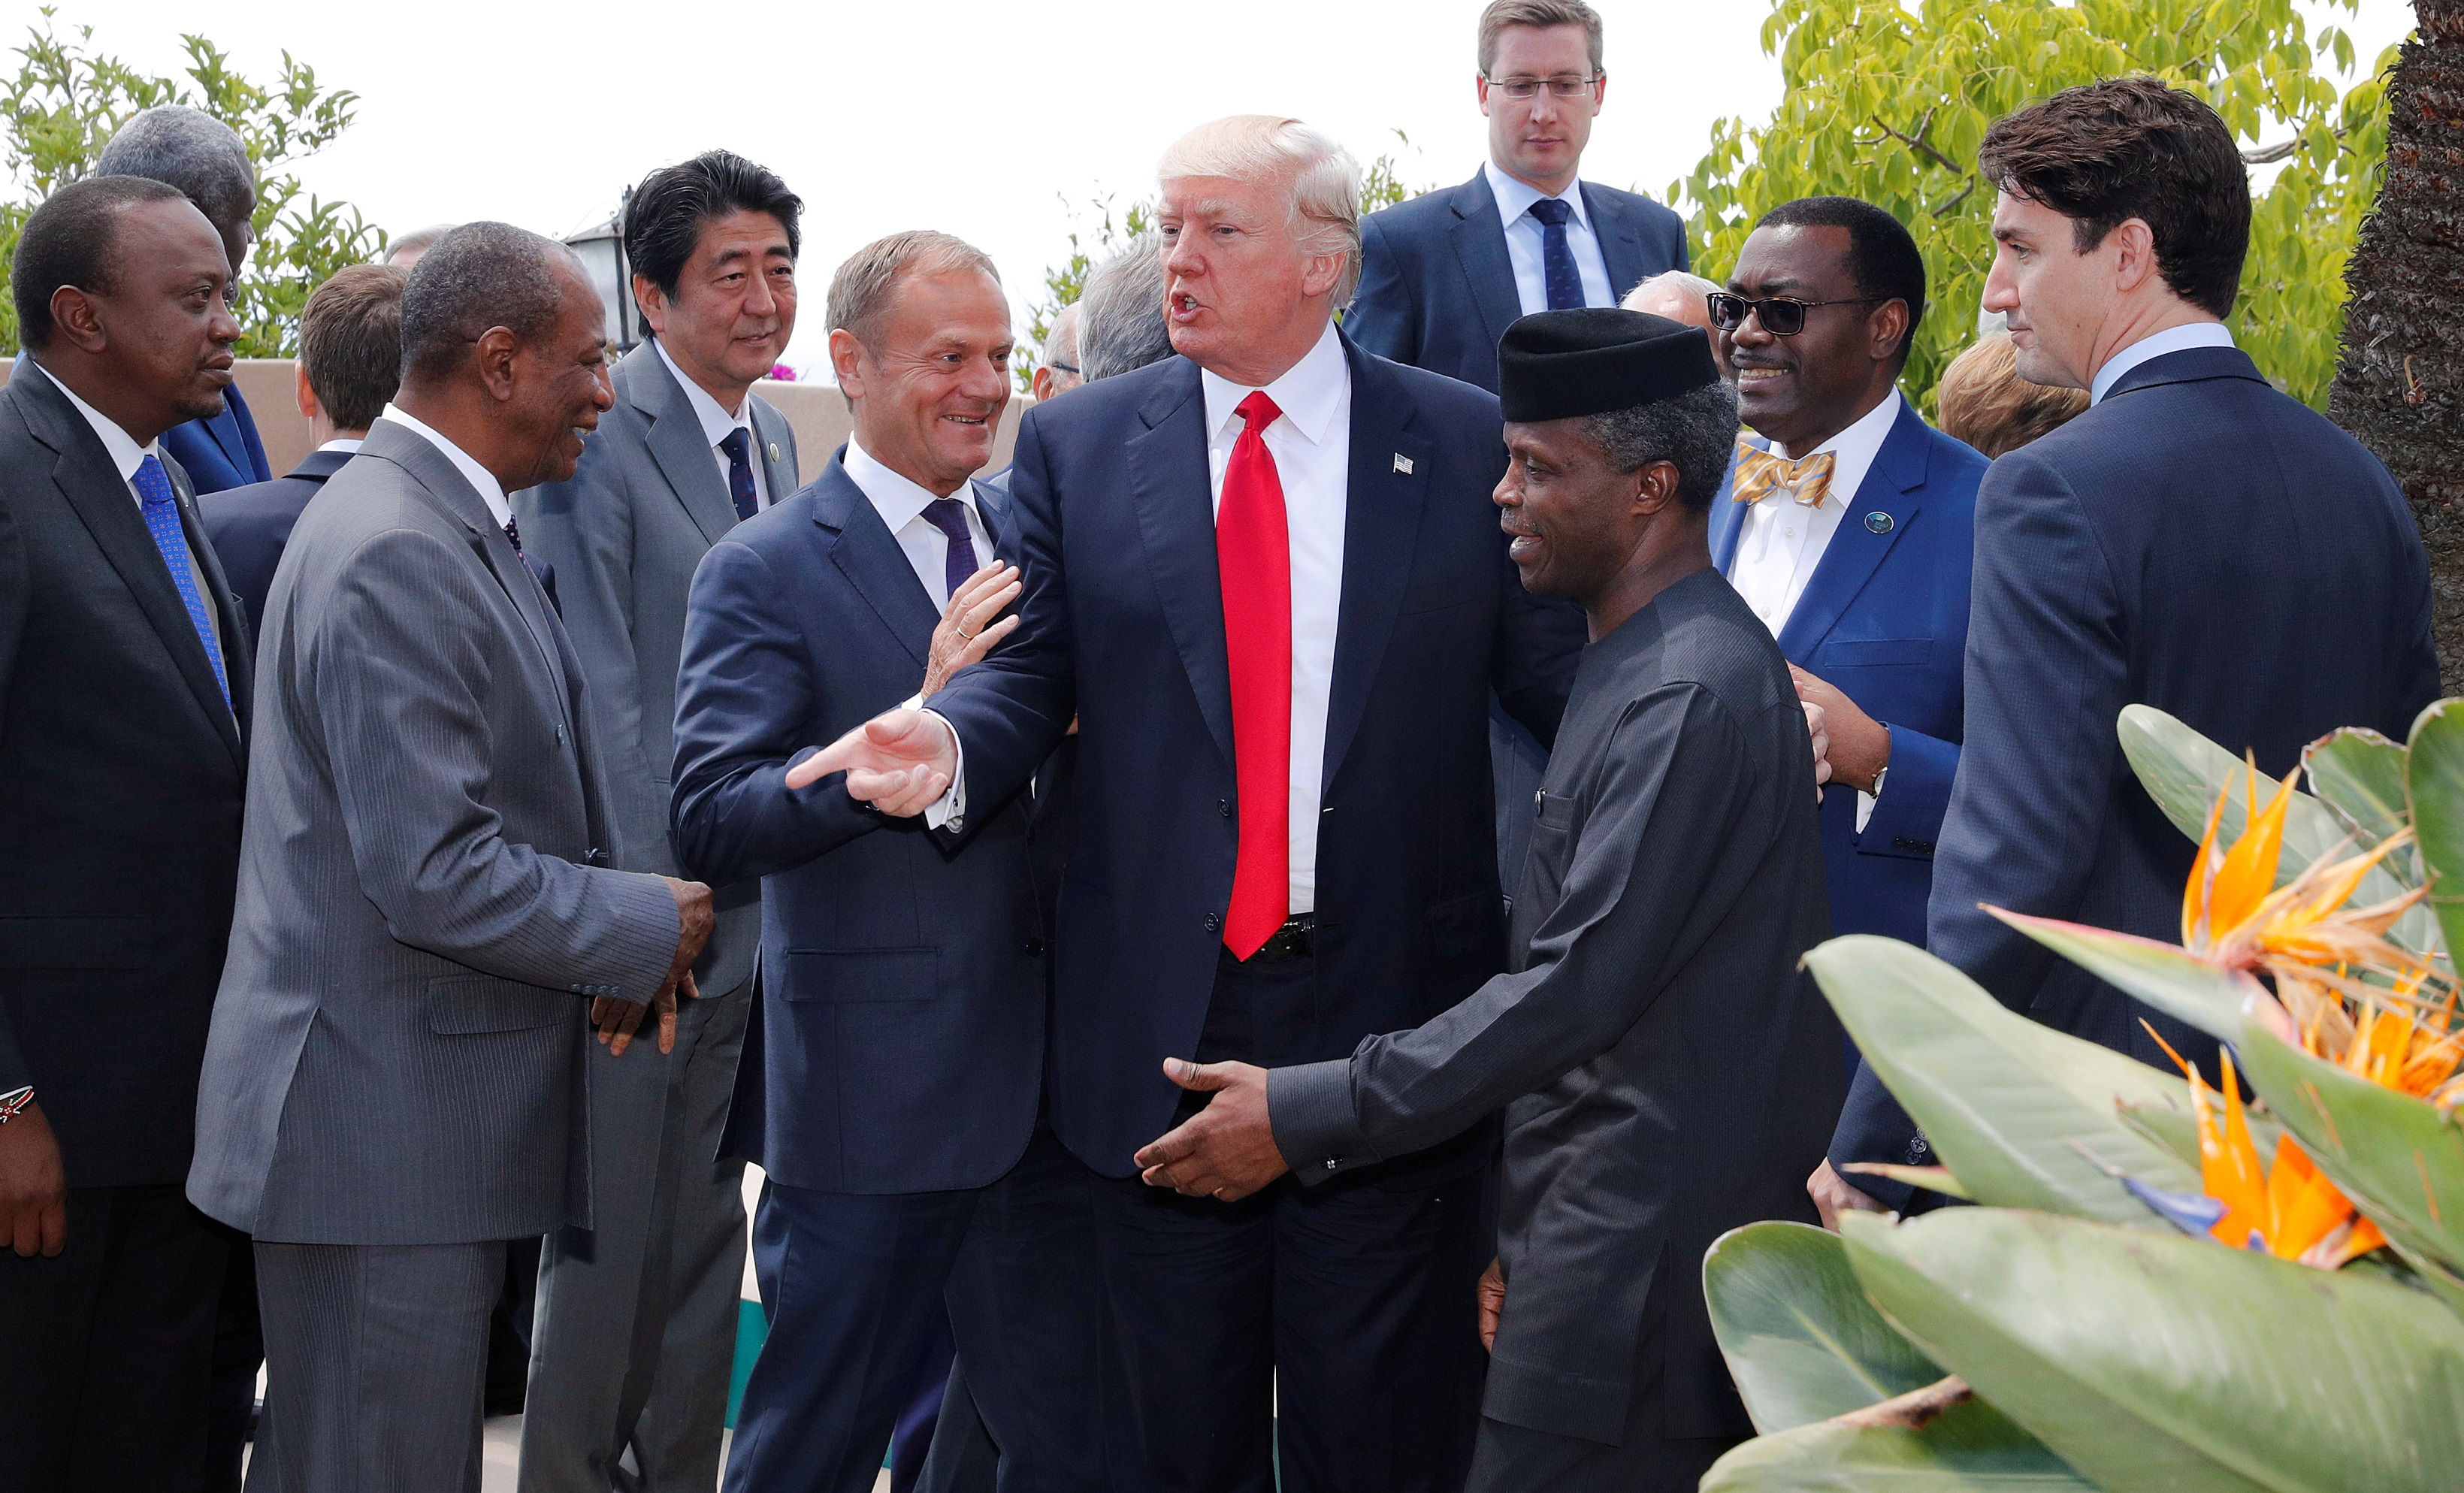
1849	529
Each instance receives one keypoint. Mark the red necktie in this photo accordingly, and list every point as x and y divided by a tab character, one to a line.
1254	554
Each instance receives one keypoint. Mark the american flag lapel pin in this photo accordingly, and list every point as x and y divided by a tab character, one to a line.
1403	464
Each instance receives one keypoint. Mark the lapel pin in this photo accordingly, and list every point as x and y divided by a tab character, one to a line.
774	451
1403	464
1878	522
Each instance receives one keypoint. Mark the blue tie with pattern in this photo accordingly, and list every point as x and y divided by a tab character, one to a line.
738	445
950	516
1557	255
162	513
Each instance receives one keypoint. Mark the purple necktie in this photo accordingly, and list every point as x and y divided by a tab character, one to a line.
950	516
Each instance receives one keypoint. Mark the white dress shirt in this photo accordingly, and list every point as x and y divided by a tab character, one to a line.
1781	540
900	501
490	491
1525	236
2173	340
126	455
1311	444
715	425
344	444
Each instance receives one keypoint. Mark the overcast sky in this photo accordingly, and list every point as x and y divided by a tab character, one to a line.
977	117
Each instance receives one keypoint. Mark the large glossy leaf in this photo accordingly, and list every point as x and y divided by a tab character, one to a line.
2008	1103
2358	775
1801	1340
2154	1361
1970	1448
2211	999
2434	786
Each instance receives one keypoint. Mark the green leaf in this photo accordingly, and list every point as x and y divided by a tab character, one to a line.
1970	1448
1801	1340
2008	1102
2433	779
2153	1361
2166	977
2358	775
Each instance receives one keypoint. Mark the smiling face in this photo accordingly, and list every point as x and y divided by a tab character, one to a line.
1574	517
2053	296
735	305
1804	389
1243	297
559	380
930	383
1540	140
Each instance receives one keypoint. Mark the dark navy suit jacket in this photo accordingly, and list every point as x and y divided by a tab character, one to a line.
220	452
902	1023
250	525
1884	617
1123	626
2199	543
1437	289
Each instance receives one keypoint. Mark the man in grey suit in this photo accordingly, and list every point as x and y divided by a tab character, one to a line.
635	1335
394	1082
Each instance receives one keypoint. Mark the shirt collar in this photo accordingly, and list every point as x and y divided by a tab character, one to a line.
716	423
896	497
1309	392
125	453
340	442
490	491
2156	344
1861	441
1515	196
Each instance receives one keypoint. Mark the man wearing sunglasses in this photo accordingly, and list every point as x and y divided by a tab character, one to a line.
1849	531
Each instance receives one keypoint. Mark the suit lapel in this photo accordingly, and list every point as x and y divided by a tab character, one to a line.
992	505
1381	526
771	433
1727	519
1621	243
1175	502
1855	550
867	553
676	445
1480	246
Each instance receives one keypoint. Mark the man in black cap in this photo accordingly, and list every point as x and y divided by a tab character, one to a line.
1666	1070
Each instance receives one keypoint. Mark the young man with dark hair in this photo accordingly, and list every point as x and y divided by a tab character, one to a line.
2195	540
634	1334
350	361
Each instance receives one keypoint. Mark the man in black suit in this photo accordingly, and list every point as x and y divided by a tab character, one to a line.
2195	540
350	361
124	677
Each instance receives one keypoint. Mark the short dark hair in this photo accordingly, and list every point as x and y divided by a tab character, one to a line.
350	343
480	276
1695	431
1882	258
663	221
73	238
2131	147
192	150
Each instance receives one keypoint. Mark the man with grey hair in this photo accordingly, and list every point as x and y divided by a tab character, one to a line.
1121	322
405	251
207	159
428	917
1291	599
1058	373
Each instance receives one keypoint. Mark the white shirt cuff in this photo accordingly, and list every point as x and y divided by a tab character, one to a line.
1864	810
950	810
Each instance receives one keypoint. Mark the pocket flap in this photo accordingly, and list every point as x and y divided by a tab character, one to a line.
843	974
460	1004
1873	652
77	942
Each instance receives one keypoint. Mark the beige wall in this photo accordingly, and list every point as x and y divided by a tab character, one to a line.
818	415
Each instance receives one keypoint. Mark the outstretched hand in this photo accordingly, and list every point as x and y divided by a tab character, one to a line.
1225	1151
900	762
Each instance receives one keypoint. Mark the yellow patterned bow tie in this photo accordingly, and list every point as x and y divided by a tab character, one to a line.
1761	474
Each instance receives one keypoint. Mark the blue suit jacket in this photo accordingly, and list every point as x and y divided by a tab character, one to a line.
2198	542
901	1033
1123	626
221	452
1437	289
1884	617
250	525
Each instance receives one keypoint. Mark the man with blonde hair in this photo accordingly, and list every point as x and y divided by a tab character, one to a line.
1275	557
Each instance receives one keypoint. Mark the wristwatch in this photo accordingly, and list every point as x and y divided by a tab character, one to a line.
1878	780
13	1103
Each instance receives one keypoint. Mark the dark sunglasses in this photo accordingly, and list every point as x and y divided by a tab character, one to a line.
1781	316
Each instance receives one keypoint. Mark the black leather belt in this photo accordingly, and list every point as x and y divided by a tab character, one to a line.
1296	940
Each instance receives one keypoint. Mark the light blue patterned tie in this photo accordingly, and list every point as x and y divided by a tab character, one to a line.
163	521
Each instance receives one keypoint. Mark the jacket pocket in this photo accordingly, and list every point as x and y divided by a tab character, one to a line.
863	974
463	1004
1874	652
77	942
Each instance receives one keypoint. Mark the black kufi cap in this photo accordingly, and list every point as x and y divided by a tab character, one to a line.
1560	364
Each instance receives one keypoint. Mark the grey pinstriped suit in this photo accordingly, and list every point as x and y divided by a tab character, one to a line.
423	908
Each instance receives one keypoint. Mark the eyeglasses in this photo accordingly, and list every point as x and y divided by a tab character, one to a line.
1522	90
1781	316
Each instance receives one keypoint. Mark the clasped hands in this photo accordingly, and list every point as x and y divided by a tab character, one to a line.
1849	745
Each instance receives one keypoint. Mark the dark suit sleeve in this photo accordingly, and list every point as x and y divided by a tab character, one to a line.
1539	642
1672	780
1916	792
16	585
2047	676
1379	319
744	693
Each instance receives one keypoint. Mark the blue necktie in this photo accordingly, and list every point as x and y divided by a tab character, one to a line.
163	521
738	446
1557	255
950	516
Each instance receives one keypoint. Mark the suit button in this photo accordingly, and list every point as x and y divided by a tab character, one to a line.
1035	948
1333	1162
1223	806
1213	922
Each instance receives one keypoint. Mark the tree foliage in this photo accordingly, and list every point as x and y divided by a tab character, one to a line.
1890	102
66	102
